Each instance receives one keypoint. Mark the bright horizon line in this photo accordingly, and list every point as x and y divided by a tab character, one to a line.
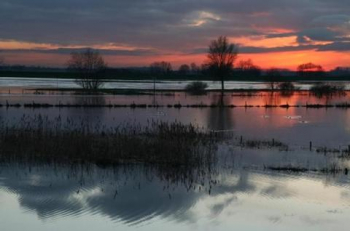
122	55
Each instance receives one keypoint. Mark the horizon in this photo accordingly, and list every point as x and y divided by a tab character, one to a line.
176	69
279	34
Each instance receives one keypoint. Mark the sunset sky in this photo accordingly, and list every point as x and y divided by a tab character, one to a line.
273	33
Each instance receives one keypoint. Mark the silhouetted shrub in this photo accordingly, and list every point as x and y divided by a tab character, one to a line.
196	88
90	69
322	89
286	86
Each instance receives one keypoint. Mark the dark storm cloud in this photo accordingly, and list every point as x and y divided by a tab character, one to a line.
136	52
337	46
173	25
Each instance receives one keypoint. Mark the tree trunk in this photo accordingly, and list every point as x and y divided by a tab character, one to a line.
222	85
222	92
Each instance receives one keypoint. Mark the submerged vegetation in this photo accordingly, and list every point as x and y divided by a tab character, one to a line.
264	144
332	169
158	143
286	86
323	89
196	88
34	105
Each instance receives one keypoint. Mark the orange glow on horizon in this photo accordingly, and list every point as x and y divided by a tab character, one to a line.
290	60
266	42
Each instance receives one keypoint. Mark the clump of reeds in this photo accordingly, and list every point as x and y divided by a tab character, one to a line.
160	144
331	169
257	144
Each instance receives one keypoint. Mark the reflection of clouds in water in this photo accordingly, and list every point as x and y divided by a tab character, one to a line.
334	211
345	195
134	197
129	197
220	118
296	117
315	221
274	219
277	191
89	100
241	184
217	208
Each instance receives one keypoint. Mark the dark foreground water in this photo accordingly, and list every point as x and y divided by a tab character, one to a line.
241	193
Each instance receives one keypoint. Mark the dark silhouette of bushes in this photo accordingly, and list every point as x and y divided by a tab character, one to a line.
247	69
286	86
308	70
196	88
322	89
90	68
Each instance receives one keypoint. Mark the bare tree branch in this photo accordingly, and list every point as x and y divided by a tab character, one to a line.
90	68
221	57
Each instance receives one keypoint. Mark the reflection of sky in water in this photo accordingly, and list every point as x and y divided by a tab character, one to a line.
297	126
43	198
146	84
245	197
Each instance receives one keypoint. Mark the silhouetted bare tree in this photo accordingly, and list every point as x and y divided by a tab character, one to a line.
221	58
184	69
195	69
310	69
90	68
248	69
273	75
161	67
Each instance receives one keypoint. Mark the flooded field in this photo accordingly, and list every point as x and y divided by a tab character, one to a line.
286	167
295	125
123	84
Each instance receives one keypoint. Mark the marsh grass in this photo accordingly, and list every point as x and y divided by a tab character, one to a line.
331	169
261	144
159	144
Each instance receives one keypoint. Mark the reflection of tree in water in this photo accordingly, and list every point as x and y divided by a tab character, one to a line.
329	99
89	114
275	98
220	118
90	100
272	98
287	94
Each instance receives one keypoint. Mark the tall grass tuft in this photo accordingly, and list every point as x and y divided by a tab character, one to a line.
158	144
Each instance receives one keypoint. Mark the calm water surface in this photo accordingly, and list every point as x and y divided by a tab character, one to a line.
240	193
8	82
297	126
43	198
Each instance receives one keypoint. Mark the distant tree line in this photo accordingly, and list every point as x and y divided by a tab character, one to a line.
90	69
